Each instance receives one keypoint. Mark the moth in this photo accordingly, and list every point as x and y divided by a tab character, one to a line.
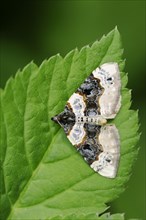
85	119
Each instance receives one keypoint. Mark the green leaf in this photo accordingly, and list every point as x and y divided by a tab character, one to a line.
93	216
43	177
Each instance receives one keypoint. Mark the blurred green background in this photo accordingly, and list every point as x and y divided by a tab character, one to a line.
36	30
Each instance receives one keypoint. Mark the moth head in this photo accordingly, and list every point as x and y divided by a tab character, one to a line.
64	117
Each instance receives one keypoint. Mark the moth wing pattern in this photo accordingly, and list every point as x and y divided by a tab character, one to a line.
77	134
110	101
84	119
77	104
107	163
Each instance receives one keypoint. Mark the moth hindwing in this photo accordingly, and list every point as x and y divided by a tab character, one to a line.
85	116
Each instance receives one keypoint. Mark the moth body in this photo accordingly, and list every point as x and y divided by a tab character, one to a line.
95	120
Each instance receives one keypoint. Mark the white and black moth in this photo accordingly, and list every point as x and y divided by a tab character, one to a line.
84	119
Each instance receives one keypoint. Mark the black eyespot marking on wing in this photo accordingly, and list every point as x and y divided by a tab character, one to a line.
89	151
108	160
110	80
90	87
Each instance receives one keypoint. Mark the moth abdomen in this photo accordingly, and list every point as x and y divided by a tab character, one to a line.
97	120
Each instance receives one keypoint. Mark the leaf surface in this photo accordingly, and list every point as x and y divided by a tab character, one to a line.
43	177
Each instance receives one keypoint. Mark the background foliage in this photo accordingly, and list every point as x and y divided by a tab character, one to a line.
39	29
